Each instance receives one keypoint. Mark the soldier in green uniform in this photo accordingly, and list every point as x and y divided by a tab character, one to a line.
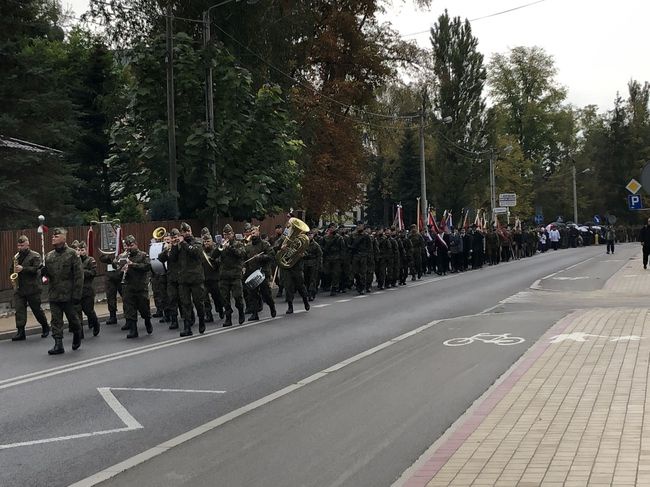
189	254
384	256
211	273
359	249
392	272
65	273
232	260
372	258
406	256
172	266
259	256
112	284
417	245
312	264
333	250
28	288
87	305
135	270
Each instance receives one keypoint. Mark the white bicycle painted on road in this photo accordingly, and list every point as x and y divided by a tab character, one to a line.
496	339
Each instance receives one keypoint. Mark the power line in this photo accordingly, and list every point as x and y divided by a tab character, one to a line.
483	17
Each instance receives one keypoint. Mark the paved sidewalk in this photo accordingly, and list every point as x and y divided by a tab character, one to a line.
570	412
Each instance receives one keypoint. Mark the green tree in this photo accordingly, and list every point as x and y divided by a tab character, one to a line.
459	76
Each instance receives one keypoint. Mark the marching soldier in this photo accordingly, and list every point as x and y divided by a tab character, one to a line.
294	278
113	286
87	305
359	248
372	257
211	272
417	245
259	255
333	250
135	276
189	254
384	258
27	291
65	273
172	266
313	263
230	285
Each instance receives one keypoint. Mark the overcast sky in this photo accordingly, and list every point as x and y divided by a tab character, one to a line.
598	45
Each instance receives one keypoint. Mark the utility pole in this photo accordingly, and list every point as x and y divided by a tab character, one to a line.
209	99
171	119
493	194
423	176
575	195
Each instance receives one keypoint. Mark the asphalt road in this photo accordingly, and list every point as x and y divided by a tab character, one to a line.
359	424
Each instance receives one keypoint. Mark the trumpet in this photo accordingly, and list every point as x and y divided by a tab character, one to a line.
14	276
125	267
224	245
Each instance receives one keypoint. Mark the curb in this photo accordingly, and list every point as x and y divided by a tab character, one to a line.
36	330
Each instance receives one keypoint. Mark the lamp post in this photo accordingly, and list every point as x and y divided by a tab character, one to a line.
493	189
423	179
575	191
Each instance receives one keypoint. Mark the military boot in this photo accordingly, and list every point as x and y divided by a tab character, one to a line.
228	321
45	330
19	336
289	307
242	315
174	324
254	317
76	339
133	329
273	310
201	325
166	317
208	317
112	319
187	330
81	332
95	326
148	326
58	347
157	314
126	326
305	301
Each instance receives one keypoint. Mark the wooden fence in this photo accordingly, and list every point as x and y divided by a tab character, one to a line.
141	231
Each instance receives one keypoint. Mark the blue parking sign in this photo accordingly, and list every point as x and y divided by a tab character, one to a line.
634	202
539	219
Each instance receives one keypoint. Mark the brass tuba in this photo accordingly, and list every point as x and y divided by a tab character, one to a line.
295	244
159	233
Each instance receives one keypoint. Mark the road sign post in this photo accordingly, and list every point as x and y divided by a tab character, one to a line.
634	202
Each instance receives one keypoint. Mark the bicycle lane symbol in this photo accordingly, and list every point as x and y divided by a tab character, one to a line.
492	338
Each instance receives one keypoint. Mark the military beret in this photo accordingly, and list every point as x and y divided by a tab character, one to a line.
413	226
59	231
185	227
23	239
174	232
129	240
81	245
227	229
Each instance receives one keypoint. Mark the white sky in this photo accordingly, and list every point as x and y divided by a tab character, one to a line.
598	45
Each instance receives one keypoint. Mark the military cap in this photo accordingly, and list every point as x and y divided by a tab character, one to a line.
331	225
207	237
279	226
75	244
23	239
247	227
185	227
81	245
59	231
205	231
129	240
414	226
227	229
174	232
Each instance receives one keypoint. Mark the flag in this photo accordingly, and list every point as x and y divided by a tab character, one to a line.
90	242
443	221
419	216
450	222
432	221
398	221
466	220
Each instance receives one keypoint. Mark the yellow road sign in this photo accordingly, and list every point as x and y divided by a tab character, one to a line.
633	186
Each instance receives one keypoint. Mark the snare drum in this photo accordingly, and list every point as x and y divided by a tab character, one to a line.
255	279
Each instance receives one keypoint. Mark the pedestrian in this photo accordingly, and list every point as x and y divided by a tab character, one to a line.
610	237
644	238
26	264
65	274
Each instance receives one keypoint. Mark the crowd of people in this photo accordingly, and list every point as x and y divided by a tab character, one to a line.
197	278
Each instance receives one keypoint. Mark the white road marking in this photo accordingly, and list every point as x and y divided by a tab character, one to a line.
319	305
129	421
342	300
215	423
359	297
577	278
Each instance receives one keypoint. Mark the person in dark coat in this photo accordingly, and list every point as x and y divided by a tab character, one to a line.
644	238
27	289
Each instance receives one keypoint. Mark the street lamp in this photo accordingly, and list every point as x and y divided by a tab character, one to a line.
493	190
423	177
575	191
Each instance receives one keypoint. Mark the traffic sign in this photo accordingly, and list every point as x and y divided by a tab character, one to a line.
539	219
634	202
596	219
500	210
508	199
633	186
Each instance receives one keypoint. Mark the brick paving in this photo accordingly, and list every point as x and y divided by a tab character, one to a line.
570	413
